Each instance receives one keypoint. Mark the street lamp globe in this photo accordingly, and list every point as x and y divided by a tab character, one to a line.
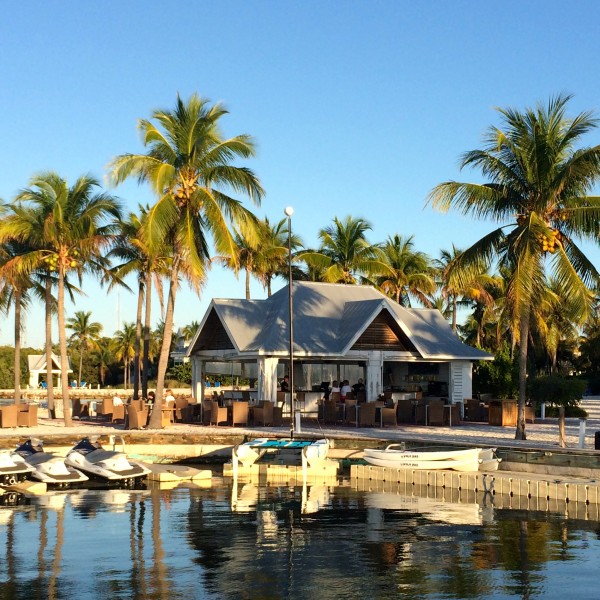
289	211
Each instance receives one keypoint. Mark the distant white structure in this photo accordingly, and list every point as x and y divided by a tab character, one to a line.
37	367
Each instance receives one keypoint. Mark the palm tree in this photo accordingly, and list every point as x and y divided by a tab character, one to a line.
408	272
149	265
345	254
188	165
68	227
103	357
123	347
538	190
16	282
262	251
85	336
459	290
272	259
189	331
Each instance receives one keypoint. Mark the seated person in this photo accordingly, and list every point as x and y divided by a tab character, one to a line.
284	386
345	390
359	386
151	397
117	400
335	387
168	396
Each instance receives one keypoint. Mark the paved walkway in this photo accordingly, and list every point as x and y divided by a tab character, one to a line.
539	435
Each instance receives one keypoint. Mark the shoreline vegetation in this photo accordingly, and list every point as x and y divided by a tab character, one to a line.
530	292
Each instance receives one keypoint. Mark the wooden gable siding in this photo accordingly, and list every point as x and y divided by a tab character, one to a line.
383	333
214	336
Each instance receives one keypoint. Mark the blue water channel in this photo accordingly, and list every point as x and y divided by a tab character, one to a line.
255	541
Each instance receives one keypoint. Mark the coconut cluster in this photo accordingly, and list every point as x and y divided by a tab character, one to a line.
551	243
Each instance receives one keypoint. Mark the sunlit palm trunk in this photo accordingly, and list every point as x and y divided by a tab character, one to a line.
49	375
163	361
17	346
247	283
147	315
524	336
80	364
62	337
454	309
53	591
138	339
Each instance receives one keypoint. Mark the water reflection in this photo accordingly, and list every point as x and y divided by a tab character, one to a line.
252	540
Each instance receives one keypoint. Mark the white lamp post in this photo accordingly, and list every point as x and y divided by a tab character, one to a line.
289	211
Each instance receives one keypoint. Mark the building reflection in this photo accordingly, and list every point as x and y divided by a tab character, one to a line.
252	540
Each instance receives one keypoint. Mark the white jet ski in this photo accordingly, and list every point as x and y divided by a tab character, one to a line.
12	472
49	468
109	466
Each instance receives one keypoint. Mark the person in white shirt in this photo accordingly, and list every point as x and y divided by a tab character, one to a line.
117	400
168	396
345	390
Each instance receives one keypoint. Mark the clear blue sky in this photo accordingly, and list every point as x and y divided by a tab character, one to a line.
357	108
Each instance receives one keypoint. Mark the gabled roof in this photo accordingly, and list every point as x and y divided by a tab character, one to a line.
328	320
37	362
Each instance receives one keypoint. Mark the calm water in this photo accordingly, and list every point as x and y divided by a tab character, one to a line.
278	542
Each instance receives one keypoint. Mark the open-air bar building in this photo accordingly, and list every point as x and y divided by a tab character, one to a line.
339	332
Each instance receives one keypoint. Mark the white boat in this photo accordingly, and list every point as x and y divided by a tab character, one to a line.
431	508
395	456
110	466
306	451
48	468
489	460
12	472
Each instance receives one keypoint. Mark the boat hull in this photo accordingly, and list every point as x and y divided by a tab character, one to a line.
425	465
472	459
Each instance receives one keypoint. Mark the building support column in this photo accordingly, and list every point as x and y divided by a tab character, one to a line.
197	383
267	378
374	383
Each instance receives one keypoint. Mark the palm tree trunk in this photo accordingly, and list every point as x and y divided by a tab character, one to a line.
138	339
523	339
62	338
454	309
80	363
146	360
247	283
163	361
17	300
49	374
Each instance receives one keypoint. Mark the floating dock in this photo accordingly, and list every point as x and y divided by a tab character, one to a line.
502	483
273	471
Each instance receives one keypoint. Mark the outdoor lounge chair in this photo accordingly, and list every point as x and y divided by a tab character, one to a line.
180	409
9	416
137	419
405	411
330	412
239	413
435	413
218	414
366	414
118	413
105	409
27	416
350	411
263	414
168	413
389	415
